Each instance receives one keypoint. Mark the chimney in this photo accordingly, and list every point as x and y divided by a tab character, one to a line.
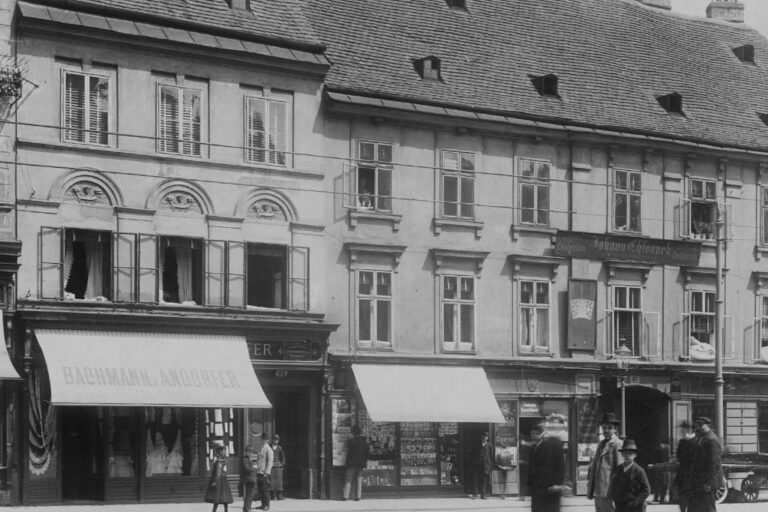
726	10
661	4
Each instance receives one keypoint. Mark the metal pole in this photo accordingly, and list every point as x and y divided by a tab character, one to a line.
719	381
623	407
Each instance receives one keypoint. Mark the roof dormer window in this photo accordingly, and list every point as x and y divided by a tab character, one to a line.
763	118
745	53
672	103
457	4
545	85
428	68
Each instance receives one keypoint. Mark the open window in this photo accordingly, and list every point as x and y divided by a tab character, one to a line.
181	270
534	317
699	210
277	276
627	201
87	264
374	177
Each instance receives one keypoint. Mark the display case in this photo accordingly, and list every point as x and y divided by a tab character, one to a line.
381	438
418	454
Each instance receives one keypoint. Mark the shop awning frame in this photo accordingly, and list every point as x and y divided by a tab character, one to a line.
403	393
124	369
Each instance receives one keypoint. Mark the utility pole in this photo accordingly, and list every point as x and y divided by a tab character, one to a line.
719	381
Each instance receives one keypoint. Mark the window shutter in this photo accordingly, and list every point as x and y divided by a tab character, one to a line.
74	107
124	266
349	182
169	118
277	132
609	343
190	121
685	332
51	263
236	274
98	110
299	279
651	335
256	142
215	272
148	268
683	217
726	210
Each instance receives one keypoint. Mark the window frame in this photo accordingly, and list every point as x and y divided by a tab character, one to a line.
763	327
162	141
86	130
534	348
374	299
538	184
460	175
457	345
378	201
628	193
636	346
763	209
270	155
709	315
704	199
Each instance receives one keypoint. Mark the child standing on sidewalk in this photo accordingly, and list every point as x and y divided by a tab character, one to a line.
630	484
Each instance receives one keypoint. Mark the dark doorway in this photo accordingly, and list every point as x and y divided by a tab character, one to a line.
82	454
470	449
292	410
647	422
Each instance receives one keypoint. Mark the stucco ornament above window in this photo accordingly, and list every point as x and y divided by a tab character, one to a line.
267	210
88	192
180	202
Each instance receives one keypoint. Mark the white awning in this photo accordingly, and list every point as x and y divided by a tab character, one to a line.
149	369
426	393
7	370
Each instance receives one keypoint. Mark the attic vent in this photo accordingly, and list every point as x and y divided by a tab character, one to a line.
428	68
745	53
672	103
457	4
545	85
763	118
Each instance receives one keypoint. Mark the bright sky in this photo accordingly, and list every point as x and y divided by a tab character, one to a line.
755	11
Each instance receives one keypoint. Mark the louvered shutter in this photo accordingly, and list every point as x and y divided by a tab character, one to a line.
98	110
256	142
74	107
277	132
190	122
168	124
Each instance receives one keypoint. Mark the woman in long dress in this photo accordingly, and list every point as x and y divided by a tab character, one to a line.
218	490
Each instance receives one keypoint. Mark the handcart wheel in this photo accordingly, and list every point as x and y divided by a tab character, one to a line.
721	492
750	488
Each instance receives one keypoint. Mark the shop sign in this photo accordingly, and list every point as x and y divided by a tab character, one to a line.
582	314
611	247
284	351
530	409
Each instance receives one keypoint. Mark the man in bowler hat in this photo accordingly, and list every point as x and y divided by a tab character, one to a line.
603	464
683	479
629	484
482	464
547	470
707	474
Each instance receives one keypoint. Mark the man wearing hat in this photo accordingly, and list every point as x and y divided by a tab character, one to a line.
630	485
547	467
707	475
277	467
603	464
357	459
482	462
683	481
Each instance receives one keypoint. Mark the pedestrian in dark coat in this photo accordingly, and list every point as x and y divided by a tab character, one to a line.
683	479
248	475
630	486
546	471
357	459
277	468
482	463
707	475
218	491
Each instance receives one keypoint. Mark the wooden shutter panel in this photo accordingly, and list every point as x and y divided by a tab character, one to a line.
74	107
299	278
169	118
98	111
190	122
148	268
256	130
277	132
51	263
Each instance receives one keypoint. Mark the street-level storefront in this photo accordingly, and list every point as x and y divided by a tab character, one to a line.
130	410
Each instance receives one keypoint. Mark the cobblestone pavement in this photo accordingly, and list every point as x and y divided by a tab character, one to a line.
575	504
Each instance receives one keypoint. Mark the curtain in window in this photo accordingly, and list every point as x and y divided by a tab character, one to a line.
93	259
68	257
184	273
169	114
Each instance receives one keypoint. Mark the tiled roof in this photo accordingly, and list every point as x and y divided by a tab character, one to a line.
279	21
612	59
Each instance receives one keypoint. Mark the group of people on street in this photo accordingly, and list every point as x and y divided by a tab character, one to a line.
261	475
618	484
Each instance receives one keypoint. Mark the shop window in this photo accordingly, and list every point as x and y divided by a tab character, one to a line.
87	264
419	464
374	308
277	276
762	427
457	184
122	442
171	441
627	195
181	273
458	312
534	317
534	191
179	120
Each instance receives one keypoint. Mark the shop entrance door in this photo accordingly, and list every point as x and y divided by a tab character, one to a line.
291	415
82	454
470	439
